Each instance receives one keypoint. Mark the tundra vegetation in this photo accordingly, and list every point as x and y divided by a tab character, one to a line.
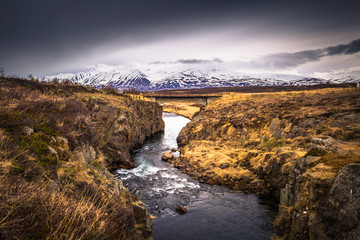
55	156
299	148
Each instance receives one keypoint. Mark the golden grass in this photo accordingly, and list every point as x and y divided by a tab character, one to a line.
43	196
252	131
31	211
185	109
74	205
207	155
228	98
337	162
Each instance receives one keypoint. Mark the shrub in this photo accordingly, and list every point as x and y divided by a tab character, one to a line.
109	89
131	91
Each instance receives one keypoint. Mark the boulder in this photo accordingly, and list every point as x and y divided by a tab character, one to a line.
224	166
181	209
144	224
27	131
326	141
167	156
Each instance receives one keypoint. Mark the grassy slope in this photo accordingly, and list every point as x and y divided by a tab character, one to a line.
237	135
289	146
45	190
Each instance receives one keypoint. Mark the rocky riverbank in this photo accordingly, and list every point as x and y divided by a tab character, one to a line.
57	145
300	148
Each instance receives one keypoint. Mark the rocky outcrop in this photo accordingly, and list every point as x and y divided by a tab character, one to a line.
314	205
121	129
345	201
295	148
57	147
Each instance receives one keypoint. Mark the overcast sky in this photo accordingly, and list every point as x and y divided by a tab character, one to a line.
45	37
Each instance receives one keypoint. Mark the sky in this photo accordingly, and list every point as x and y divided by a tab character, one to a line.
47	37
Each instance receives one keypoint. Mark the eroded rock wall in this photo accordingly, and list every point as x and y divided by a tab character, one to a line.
121	129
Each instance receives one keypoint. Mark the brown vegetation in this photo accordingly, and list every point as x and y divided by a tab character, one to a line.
286	145
53	178
186	109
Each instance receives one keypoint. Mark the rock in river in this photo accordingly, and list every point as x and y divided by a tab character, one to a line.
167	156
181	209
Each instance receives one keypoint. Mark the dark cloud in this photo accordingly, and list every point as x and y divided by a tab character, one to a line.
290	60
37	35
350	48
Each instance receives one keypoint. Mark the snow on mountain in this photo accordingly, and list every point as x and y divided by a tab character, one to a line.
60	76
342	77
180	76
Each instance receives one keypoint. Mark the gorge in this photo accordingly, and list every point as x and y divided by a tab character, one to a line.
59	142
213	212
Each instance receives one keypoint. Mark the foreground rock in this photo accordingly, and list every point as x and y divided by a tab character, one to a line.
300	149
181	210
167	156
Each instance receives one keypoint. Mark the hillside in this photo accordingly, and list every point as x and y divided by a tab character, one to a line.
57	145
299	148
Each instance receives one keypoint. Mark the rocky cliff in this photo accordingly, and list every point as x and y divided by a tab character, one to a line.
302	149
57	145
122	125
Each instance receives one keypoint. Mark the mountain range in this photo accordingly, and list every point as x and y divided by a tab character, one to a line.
160	77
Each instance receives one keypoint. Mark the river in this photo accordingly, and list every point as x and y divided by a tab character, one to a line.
213	212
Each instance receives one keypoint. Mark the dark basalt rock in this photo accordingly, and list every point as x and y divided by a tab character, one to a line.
181	210
345	198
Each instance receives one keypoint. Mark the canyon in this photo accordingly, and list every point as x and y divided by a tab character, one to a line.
62	144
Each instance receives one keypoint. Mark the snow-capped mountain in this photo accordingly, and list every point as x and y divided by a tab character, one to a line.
121	78
158	77
343	77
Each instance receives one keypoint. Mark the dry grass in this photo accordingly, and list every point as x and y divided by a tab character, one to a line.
33	211
337	162
229	98
260	142
185	109
252	131
55	196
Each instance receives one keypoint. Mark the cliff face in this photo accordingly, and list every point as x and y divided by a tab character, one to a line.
300	148
57	145
122	127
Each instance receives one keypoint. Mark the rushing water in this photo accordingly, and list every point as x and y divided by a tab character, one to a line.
214	212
